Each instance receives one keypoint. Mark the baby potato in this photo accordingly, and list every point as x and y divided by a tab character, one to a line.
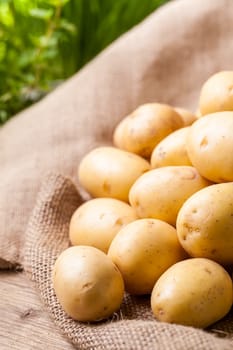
210	146
110	172
143	250
97	221
205	223
142	130
194	292
87	284
171	150
217	93
161	192
187	117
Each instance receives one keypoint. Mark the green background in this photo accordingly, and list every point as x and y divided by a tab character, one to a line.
43	42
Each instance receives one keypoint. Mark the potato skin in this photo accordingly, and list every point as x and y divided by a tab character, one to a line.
143	250
210	146
216	94
187	117
97	221
87	283
205	223
171	150
194	292
110	172
161	192
143	129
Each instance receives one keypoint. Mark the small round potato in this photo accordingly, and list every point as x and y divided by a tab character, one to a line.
217	93
142	251
87	283
205	223
187	116
142	130
97	221
110	172
210	146
193	292
161	192
171	150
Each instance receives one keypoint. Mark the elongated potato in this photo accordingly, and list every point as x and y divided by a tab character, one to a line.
110	172
193	292
171	150
210	146
87	283
143	250
161	192
142	130
97	221
205	223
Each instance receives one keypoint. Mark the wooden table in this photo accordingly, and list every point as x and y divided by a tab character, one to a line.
24	322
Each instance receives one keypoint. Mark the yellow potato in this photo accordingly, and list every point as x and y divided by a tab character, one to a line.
143	250
161	192
187	117
193	292
142	130
198	113
217	93
205	223
87	283
97	221
210	146
171	150
110	172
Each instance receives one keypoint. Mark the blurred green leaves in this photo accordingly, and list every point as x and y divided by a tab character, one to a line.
43	42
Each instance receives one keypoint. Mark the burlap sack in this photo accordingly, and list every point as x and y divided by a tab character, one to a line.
166	59
133	327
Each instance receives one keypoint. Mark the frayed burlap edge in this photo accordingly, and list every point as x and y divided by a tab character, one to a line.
133	327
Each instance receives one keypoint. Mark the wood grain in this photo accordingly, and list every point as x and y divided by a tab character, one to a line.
24	322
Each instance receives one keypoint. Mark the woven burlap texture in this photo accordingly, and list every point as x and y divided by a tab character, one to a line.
133	327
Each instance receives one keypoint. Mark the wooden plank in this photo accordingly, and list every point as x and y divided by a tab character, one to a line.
24	322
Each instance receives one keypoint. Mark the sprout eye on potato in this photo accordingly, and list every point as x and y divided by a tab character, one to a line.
163	227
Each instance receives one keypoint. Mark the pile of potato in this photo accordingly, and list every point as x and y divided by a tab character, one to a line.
161	218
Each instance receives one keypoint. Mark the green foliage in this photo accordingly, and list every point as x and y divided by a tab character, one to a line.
43	42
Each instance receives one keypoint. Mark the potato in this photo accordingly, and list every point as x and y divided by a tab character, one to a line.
210	146
205	223
143	250
194	292
142	130
87	283
171	150
217	93
161	192
187	117
198	113
110	172
97	221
